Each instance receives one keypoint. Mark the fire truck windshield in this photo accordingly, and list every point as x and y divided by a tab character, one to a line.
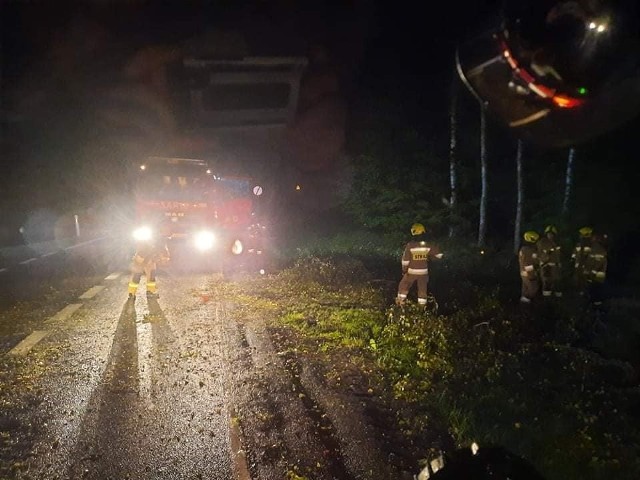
228	188
173	187
179	186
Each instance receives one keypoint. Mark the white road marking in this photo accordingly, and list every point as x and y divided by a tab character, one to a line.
92	292
143	330
113	276
32	259
49	254
3	270
28	343
65	313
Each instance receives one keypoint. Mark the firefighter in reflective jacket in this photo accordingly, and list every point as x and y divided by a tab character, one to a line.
597	265
580	257
415	265
549	262
528	261
145	262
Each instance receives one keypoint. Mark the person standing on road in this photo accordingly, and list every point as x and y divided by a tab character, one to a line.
549	262
415	265
528	261
145	262
580	257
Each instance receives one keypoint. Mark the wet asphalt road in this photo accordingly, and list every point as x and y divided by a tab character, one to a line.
96	387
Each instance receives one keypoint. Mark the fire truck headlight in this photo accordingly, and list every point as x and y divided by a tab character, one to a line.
237	248
142	234
204	240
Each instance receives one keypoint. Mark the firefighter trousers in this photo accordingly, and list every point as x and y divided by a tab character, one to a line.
530	287
408	279
550	276
135	281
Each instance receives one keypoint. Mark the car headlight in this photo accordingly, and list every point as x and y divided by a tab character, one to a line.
142	234
204	240
237	248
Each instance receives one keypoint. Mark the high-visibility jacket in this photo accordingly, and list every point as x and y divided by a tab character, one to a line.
580	256
416	257
148	256
597	263
548	252
528	261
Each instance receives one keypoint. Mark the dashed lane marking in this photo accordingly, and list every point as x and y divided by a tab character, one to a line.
28	343
29	260
113	276
65	313
92	292
3	270
49	254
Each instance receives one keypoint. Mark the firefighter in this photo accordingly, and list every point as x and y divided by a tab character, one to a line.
528	260
145	262
415	265
580	258
549	262
597	265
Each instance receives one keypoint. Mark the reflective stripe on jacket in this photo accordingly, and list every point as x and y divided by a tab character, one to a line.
548	252
415	259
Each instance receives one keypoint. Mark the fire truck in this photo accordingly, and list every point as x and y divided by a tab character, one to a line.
205	217
199	193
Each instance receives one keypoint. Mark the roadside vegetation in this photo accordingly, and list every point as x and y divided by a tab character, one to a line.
554	383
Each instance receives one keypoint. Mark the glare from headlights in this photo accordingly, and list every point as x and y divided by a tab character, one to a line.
237	247
204	240
142	234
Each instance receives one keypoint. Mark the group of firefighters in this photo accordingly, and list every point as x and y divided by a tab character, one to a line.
540	261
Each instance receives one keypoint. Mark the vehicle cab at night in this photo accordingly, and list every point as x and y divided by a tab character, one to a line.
200	213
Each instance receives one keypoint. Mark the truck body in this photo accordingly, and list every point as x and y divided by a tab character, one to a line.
200	213
221	175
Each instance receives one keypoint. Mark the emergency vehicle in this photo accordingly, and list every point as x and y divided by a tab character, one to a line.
205	217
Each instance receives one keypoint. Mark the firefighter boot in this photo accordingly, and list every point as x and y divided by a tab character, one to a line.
151	290
132	290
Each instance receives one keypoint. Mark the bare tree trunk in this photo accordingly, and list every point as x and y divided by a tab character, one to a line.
482	226
453	168
517	230
568	182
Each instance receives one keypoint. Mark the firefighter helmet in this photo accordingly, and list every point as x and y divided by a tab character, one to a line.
560	71
585	231
551	229
531	236
417	229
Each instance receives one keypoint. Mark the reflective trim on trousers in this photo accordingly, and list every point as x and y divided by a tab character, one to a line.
422	301
151	287
418	271
133	287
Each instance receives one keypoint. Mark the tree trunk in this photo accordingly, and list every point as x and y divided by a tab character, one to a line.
568	182
517	230
453	168
482	225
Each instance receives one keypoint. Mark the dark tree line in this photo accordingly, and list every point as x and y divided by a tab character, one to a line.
470	179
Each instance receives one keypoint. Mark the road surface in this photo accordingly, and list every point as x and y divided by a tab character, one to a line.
95	386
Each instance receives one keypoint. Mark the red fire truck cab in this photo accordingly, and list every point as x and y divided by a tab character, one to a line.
203	215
